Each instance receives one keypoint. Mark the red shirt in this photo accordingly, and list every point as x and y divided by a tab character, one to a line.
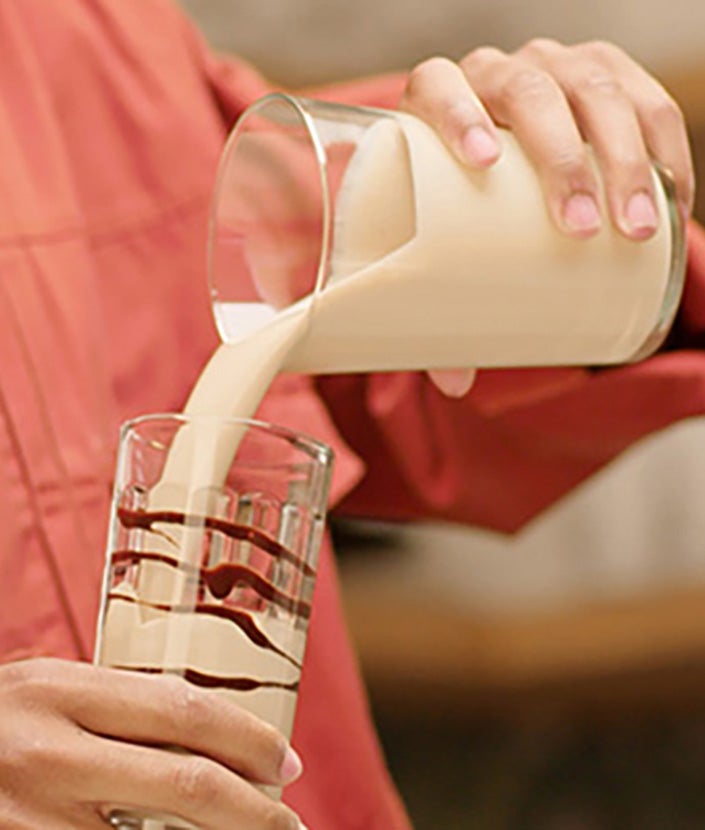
112	118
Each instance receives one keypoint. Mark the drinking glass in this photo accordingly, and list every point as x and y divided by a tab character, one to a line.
211	562
402	257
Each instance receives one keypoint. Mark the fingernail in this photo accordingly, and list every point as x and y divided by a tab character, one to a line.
460	385
640	215
480	147
581	214
453	383
291	767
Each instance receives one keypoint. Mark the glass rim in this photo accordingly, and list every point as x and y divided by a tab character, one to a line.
316	449
300	106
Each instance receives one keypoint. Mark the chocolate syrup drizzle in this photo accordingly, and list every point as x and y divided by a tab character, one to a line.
211	681
240	618
145	519
220	581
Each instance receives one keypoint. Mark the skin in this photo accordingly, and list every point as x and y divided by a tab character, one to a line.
555	98
67	751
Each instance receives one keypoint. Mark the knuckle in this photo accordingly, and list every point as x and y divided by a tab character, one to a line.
31	676
542	46
195	783
482	57
434	63
15	674
529	84
602	50
420	76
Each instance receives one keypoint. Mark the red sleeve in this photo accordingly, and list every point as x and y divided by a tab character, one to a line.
521	439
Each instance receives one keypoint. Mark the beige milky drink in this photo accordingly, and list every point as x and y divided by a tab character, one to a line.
403	258
212	561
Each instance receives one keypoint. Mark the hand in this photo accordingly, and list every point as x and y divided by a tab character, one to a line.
76	739
554	98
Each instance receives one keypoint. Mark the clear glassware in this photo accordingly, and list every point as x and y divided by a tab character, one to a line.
211	562
403	258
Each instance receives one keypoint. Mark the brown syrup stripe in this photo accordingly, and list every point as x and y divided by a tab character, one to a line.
212	681
145	519
240	618
222	579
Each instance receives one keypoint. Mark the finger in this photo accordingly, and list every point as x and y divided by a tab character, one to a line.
437	91
168	710
661	119
454	383
607	119
195	789
528	101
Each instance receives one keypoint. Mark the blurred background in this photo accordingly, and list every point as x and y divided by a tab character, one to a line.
555	680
